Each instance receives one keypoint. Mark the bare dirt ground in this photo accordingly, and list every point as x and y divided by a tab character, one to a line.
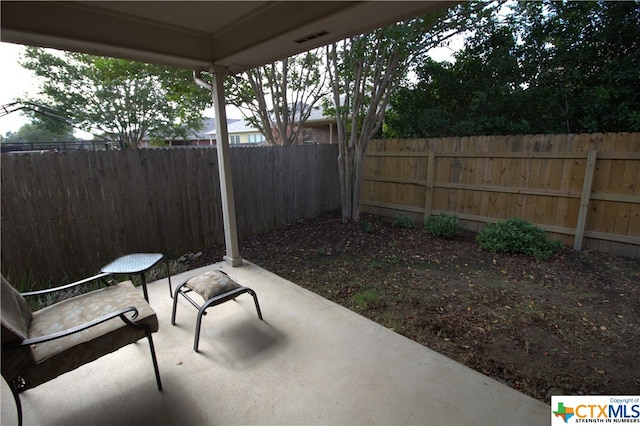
566	326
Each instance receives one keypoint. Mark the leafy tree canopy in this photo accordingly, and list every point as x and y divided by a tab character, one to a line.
35	132
278	98
124	100
365	71
538	67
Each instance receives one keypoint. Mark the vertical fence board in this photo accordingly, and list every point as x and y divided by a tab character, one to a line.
468	178
525	178
67	214
428	204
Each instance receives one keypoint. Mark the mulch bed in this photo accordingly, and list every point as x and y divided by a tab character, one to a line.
565	326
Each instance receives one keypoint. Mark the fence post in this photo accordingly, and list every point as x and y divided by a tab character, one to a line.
584	200
428	201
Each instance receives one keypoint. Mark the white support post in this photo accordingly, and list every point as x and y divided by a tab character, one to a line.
224	168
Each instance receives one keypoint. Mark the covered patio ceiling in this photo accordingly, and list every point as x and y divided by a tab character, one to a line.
236	35
223	37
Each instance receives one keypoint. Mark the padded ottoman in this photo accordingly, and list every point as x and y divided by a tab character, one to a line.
215	287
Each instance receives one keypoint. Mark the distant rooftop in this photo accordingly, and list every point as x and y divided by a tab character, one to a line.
210	127
235	126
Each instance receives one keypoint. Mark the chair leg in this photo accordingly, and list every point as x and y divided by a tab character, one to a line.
178	291
16	398
196	339
255	299
155	361
166	261
175	306
216	301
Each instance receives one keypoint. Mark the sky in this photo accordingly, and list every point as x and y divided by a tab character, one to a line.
15	82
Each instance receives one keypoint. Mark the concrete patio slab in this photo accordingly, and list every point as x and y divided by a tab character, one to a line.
310	362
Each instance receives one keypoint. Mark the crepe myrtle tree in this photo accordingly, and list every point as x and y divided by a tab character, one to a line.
278	98
365	70
123	100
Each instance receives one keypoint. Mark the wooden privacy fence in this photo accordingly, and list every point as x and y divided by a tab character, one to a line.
583	189
71	213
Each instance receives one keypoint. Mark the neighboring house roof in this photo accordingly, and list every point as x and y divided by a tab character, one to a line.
208	124
210	127
236	126
317	117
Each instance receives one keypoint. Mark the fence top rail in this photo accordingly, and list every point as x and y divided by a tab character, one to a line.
545	155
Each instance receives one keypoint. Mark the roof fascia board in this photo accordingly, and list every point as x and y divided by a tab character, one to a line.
99	33
99	49
271	50
93	30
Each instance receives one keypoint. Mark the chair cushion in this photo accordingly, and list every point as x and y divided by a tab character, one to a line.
65	354
16	314
211	284
16	317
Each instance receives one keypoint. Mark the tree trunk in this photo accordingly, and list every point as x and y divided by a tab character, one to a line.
358	176
346	176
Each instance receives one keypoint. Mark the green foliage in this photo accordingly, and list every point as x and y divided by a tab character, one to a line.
37	132
517	236
279	95
364	71
124	100
444	226
541	67
367	227
402	221
366	299
24	281
158	142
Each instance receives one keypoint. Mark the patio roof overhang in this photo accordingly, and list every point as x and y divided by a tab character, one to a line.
219	36
236	35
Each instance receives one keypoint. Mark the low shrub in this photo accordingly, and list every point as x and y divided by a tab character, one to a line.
402	221
367	227
517	236
444	226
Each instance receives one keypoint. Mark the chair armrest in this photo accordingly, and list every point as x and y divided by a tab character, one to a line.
41	339
64	287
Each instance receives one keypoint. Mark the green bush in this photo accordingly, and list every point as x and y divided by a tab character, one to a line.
516	235
368	227
402	221
444	226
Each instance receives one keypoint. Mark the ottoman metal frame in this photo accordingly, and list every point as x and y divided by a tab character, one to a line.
216	300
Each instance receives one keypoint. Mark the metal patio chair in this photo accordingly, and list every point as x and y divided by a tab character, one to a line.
38	346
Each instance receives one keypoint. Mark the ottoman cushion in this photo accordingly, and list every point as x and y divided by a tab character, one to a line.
211	284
